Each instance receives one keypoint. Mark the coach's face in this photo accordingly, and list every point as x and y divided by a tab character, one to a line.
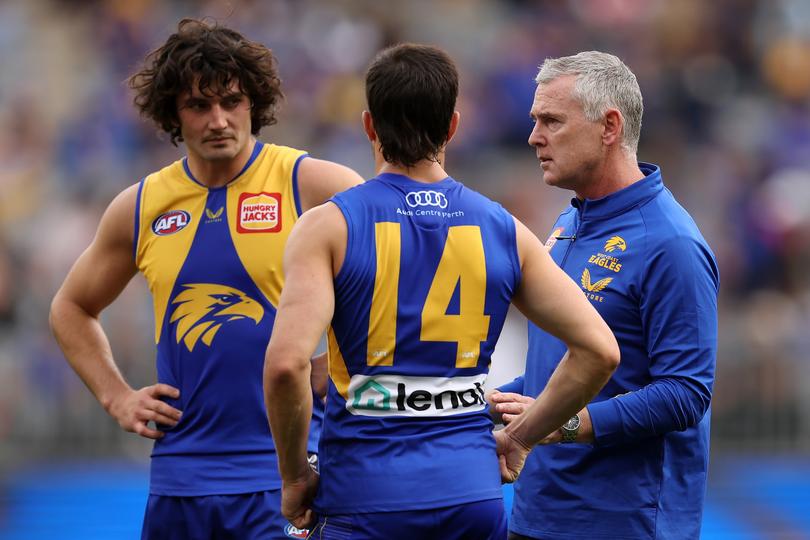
215	127
568	145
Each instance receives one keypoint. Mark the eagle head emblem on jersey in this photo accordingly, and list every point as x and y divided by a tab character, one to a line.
614	243
202	309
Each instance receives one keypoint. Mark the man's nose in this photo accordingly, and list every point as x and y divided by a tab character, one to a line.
218	119
535	137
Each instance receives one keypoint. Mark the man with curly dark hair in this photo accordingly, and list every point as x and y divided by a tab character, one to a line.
208	233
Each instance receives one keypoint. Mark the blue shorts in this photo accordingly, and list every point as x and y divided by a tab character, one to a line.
482	520
248	516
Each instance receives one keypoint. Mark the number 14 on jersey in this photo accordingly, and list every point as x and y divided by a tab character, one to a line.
461	265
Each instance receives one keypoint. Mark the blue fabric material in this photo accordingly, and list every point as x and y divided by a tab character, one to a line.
483	520
641	260
253	516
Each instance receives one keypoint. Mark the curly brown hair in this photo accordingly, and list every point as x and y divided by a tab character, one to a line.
212	56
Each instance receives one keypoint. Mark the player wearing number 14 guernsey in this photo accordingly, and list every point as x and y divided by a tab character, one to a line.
413	273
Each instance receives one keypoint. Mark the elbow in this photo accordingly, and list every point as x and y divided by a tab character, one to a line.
698	406
610	356
277	373
54	315
281	370
681	402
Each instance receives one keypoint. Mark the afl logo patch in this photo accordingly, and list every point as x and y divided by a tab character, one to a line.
171	222
293	532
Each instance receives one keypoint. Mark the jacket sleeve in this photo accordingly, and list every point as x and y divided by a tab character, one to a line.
678	308
515	386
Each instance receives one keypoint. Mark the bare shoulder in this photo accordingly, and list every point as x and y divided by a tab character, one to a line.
100	273
320	230
528	245
118	222
318	180
325	219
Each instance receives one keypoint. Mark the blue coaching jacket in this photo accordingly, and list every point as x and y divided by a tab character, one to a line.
644	265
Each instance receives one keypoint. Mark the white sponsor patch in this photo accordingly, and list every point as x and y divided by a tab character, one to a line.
401	395
426	198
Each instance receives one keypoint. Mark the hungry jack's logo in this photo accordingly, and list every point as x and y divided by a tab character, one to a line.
202	309
259	213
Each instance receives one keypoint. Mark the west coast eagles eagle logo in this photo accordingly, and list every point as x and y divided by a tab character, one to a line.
202	309
614	243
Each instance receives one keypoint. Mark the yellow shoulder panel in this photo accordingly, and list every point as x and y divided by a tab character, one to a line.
261	213
169	211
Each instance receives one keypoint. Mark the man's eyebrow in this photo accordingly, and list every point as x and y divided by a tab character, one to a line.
541	115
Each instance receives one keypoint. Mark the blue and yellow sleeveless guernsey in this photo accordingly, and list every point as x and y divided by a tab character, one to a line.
213	261
420	300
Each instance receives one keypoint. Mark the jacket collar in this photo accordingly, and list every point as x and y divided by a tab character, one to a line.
624	199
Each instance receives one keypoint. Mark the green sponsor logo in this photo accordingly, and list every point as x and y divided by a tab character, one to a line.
373	402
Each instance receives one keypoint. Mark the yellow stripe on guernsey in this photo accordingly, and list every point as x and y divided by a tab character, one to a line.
259	205
338	371
171	209
382	321
261	213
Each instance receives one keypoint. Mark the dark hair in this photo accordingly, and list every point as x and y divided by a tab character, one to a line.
215	55
411	91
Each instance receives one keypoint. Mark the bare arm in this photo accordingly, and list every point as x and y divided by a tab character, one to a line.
96	279
306	306
319	378
318	180
549	298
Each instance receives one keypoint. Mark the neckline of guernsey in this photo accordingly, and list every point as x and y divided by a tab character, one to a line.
257	148
404	179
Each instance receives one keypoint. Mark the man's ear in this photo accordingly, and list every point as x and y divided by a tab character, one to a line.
454	120
368	126
613	123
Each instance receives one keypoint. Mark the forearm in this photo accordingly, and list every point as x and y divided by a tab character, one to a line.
577	379
666	405
288	396
87	350
319	377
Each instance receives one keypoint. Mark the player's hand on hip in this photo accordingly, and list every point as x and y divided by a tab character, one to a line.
296	500
511	455
136	408
508	405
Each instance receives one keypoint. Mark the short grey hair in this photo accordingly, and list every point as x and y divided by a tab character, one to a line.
603	82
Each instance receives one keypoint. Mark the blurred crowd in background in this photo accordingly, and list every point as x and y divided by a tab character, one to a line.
726	88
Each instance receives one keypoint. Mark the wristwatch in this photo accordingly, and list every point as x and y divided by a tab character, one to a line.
570	429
